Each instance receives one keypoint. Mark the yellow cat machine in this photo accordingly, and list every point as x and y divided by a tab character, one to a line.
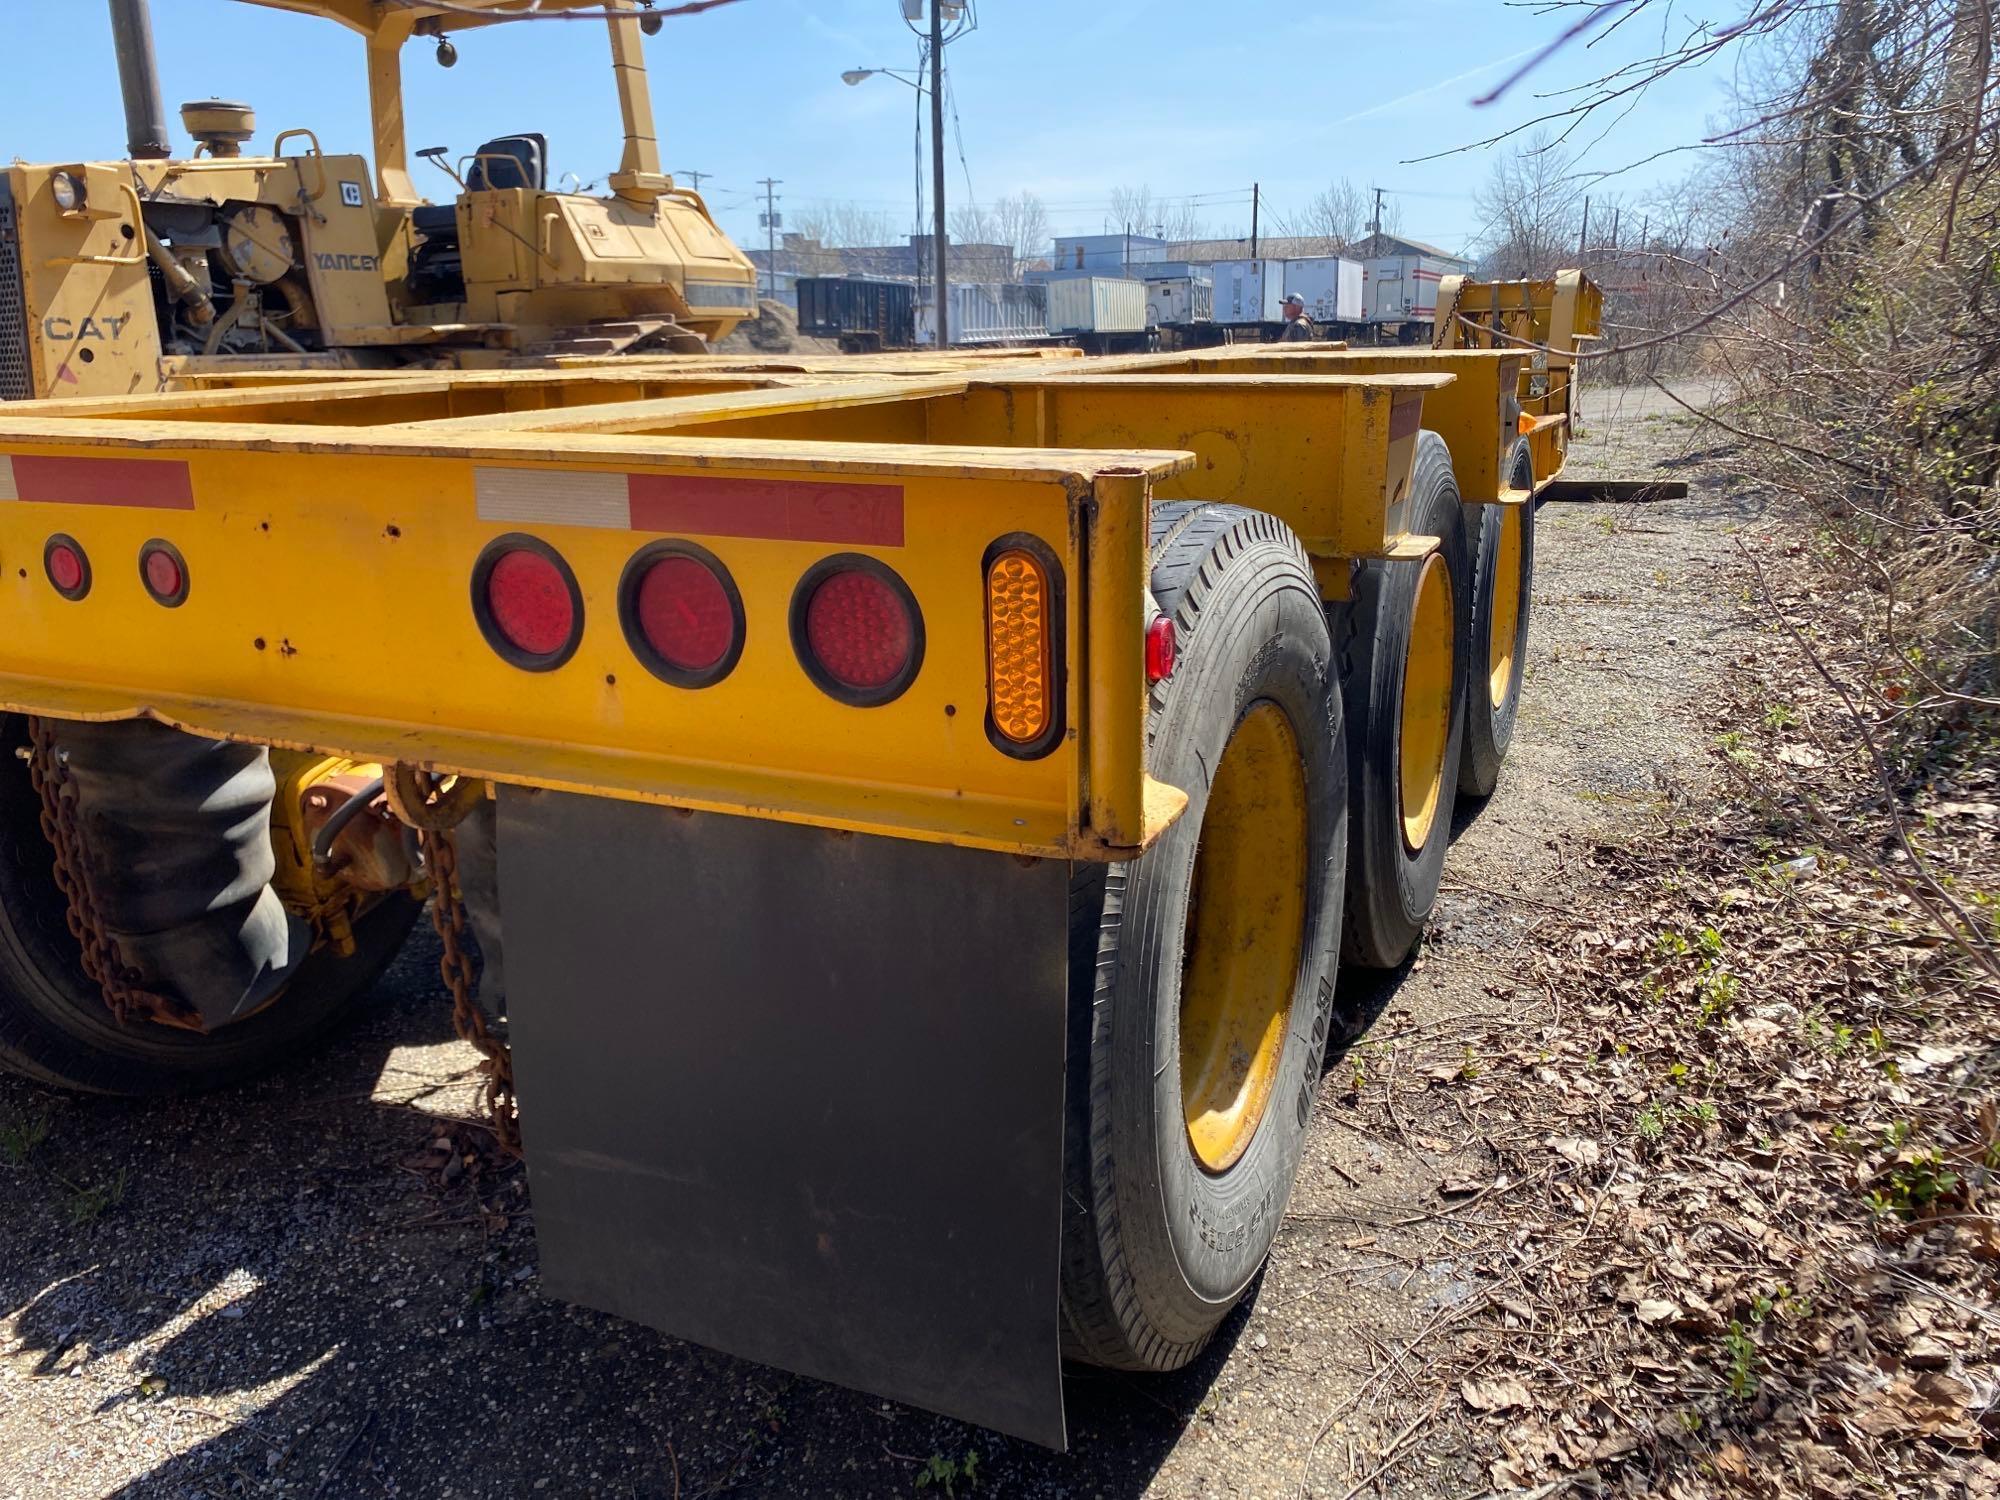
932	801
120	277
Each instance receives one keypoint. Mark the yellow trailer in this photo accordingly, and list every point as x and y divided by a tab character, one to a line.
932	798
924	801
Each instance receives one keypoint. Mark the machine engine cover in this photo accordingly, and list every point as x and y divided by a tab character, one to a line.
257	242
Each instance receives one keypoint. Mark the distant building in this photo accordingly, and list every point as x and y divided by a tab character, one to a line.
1376	245
799	255
1271	246
1303	246
1107	253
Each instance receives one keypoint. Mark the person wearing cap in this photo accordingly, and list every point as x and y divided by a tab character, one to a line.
1298	327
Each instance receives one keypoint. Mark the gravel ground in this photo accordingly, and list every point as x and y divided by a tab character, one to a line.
266	1292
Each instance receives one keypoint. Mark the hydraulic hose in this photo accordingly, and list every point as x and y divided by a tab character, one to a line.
344	814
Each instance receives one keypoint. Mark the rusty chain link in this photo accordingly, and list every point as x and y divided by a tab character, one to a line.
115	979
467	1019
128	1000
1446	334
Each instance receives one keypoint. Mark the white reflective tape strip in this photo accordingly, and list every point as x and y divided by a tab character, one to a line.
7	490
548	498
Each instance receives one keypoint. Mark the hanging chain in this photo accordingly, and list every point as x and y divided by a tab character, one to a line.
129	1001
467	1019
1446	336
105	965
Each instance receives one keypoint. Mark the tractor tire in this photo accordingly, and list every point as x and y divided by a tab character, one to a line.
1503	577
1202	972
1403	671
54	1025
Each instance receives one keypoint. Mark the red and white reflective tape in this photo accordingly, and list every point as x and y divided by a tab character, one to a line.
1406	415
145	483
793	510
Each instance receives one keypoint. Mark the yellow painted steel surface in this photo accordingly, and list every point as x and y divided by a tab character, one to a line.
381	400
1329	453
1246	928
334	525
1550	321
1425	729
329	607
1326	449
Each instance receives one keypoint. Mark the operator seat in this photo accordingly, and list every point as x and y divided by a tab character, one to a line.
437	268
510	161
435	221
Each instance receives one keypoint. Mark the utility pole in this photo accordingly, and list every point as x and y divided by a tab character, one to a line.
770	217
937	175
1256	192
1378	219
697	176
1614	228
1583	235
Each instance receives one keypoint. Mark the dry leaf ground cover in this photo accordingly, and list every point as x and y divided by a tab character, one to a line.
1660	1169
1738	1235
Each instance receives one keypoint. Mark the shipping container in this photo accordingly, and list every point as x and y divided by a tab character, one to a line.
1330	284
1096	304
1403	288
1249	291
989	312
862	314
1179	301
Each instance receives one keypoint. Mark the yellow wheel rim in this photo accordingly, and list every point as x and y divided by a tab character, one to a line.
1504	609
1426	718
1245	933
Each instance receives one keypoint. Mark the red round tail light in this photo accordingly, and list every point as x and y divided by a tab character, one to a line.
164	572
527	603
857	630
67	565
682	614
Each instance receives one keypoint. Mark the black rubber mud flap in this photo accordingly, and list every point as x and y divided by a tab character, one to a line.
796	1095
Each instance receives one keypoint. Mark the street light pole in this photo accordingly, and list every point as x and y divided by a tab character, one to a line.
937	175
940	244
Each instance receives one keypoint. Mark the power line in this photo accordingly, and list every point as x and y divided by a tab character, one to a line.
951	99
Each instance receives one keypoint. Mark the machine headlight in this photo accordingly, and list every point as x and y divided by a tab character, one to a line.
67	190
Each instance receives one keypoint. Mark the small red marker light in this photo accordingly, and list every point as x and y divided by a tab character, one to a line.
67	566
1161	647
163	572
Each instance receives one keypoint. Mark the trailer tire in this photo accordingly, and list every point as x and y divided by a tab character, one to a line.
1406	719
1193	1068
1502	589
55	1027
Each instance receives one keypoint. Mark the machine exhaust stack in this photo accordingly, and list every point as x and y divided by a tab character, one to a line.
139	79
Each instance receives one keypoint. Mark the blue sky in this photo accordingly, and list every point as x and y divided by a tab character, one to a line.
1066	100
